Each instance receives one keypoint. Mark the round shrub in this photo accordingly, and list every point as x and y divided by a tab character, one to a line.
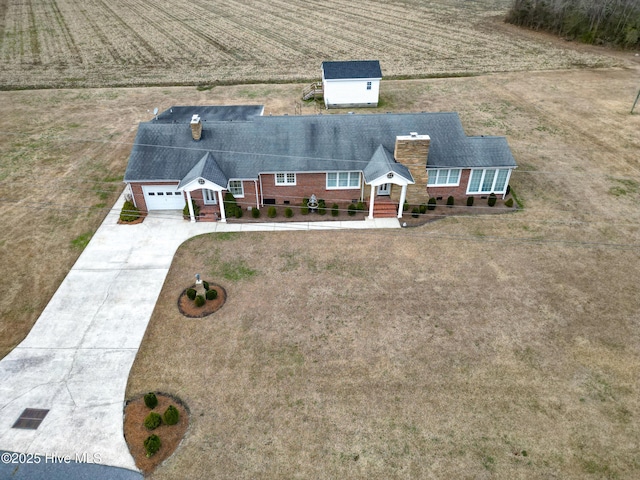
171	415
152	444
492	200
288	212
191	293
450	201
335	210
212	294
238	212
361	206
470	201
271	212
255	212
205	284
405	206
509	203
152	421
431	204
150	400
199	301
415	212
351	210
423	208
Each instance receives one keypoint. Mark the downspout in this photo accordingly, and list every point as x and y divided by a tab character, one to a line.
261	191
255	183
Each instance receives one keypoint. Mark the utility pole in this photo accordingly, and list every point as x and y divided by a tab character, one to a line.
634	103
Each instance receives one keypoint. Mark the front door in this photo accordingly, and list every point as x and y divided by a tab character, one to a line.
384	189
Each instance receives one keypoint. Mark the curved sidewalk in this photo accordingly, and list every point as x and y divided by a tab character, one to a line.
75	362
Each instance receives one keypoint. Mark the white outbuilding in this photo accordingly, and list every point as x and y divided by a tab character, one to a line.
354	83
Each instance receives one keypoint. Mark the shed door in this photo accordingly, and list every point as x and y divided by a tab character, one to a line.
163	197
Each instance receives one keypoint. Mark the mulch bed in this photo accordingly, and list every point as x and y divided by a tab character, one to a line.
135	432
138	220
188	308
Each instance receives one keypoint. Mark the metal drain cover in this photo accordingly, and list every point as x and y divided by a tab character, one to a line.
31	418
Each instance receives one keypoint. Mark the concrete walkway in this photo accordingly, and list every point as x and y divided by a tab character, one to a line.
76	360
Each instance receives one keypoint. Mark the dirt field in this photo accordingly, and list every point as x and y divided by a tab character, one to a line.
72	43
488	347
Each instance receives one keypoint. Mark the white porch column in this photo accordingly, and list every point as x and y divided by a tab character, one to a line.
373	194
403	197
191	214
223	216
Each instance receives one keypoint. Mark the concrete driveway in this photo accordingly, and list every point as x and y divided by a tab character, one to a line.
76	360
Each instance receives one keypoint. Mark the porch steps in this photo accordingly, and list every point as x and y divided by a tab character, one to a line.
384	209
312	91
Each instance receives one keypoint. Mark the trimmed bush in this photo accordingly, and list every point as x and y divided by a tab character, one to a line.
361	206
152	421
272	212
231	206
185	210
255	212
238	212
304	209
415	212
335	210
129	212
351	210
431	204
150	400
191	293
450	201
199	301
405	207
492	200
171	415
509	203
470	201
212	294
205	284
152	444
322	207
423	208
288	212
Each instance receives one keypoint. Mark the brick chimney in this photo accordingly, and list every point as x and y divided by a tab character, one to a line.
412	151
196	127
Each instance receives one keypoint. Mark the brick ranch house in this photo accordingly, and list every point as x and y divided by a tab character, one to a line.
203	152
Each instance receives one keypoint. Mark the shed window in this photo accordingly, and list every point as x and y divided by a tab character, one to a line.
368	85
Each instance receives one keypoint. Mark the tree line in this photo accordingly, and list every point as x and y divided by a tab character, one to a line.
590	21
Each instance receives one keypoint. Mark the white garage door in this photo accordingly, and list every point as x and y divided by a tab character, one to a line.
163	197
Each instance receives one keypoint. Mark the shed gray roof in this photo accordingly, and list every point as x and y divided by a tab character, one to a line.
318	143
351	69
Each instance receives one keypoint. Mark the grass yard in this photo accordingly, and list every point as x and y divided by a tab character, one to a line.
80	43
477	347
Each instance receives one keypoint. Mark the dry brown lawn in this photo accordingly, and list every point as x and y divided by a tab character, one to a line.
472	347
94	43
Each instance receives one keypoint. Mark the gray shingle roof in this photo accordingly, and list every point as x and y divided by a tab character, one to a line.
206	168
351	69
244	149
381	163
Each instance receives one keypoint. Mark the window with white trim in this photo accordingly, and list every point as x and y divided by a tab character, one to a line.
344	180
488	180
236	188
368	85
285	178
441	177
209	196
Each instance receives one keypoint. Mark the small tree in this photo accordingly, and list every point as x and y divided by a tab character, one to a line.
152	444
171	415
150	400
152	421
129	212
